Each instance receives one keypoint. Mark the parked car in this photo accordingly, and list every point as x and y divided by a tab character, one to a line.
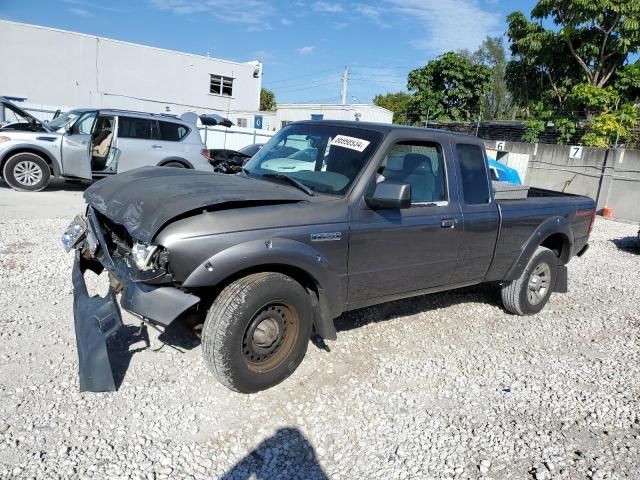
265	257
90	143
503	173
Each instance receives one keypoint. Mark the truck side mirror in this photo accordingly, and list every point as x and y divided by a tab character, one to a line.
389	194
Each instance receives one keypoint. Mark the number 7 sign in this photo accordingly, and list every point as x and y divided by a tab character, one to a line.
575	152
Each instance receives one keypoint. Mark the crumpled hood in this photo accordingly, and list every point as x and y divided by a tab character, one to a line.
146	199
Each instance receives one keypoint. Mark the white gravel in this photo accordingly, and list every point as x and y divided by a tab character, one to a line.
444	386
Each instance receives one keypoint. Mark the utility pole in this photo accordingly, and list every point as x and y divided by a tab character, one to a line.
343	90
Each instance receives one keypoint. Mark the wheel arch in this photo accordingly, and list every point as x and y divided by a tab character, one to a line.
186	163
292	258
41	152
555	234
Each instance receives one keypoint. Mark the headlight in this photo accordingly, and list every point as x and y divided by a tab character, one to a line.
74	233
142	255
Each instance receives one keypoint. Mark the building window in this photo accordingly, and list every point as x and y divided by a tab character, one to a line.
221	85
284	123
241	122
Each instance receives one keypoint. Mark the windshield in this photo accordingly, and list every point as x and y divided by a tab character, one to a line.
324	158
64	119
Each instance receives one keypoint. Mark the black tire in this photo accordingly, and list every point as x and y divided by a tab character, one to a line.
26	172
175	165
257	331
528	295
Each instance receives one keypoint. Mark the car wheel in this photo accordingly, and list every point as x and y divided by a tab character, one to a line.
257	331
26	172
530	293
175	165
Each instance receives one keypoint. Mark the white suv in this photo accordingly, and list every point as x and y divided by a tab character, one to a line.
93	143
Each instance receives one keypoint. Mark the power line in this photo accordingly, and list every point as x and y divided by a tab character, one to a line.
295	78
307	86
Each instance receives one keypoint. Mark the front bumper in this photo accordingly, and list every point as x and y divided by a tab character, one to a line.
97	318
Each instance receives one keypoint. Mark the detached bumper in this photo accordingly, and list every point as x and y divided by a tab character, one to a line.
97	318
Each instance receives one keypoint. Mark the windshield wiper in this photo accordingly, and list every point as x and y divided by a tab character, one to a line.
291	181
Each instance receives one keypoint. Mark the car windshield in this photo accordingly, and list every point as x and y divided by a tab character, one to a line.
63	120
324	158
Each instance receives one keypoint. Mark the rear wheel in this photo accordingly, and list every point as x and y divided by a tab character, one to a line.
175	165
530	293
257	331
26	172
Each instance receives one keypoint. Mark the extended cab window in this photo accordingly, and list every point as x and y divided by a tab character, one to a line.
421	165
475	186
172	132
131	127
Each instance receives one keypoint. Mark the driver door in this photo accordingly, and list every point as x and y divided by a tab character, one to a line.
76	147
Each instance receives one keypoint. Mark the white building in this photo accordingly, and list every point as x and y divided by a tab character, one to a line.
56	69
292	112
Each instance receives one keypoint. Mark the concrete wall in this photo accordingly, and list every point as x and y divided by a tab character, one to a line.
609	176
60	69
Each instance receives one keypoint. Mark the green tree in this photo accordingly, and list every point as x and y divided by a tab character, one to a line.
449	88
627	82
599	34
398	103
267	100
612	129
497	102
589	44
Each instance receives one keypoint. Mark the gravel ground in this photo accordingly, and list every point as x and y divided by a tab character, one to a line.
443	386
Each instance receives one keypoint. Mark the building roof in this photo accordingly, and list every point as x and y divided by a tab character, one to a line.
332	106
140	45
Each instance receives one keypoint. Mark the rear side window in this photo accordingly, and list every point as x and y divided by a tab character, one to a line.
474	174
172	132
131	127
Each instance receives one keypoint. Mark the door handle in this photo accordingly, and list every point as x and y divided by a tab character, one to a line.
156	146
448	223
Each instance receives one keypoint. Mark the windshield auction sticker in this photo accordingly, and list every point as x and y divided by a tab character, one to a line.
351	143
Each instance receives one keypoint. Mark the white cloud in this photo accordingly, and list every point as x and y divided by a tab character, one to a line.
327	7
285	21
249	12
306	50
449	25
81	12
373	13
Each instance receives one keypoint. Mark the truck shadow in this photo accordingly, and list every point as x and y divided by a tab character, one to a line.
628	244
286	454
488	293
120	351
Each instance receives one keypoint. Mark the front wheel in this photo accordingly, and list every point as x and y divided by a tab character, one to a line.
26	172
530	293
257	331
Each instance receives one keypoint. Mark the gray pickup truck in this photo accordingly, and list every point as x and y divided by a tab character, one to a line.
327	217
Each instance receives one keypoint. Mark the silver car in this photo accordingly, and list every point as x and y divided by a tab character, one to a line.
94	143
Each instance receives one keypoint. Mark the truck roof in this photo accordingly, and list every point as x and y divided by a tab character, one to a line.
386	128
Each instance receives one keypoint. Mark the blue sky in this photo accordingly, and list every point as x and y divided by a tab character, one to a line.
304	45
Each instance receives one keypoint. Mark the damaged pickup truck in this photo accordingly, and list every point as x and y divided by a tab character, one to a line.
358	215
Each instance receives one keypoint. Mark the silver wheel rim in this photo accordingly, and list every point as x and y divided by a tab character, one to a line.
539	283
27	173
